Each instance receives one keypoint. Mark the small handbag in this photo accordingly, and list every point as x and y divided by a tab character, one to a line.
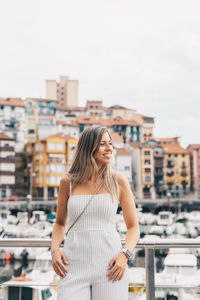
86	206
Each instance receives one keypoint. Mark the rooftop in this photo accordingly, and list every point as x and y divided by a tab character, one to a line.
173	149
5	137
122	151
11	102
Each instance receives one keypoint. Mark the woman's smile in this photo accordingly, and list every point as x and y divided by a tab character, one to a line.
104	152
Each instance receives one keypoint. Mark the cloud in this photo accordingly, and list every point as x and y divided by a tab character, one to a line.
140	54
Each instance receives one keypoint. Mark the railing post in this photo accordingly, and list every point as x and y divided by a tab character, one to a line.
150	281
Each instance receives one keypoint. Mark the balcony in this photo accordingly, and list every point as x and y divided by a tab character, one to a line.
170	173
158	164
7	148
152	282
184	173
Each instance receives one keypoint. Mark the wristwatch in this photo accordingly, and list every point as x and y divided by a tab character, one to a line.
127	252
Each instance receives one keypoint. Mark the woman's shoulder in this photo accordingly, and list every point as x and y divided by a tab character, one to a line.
121	179
65	179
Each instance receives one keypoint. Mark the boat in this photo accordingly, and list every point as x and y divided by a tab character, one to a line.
20	290
39	284
165	218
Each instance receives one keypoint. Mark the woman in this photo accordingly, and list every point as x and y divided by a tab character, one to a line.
93	264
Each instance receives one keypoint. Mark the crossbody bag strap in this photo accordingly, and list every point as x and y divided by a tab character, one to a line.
86	206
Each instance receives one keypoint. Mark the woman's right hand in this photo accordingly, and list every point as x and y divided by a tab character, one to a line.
59	260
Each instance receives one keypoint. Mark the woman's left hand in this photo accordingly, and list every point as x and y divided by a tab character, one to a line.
117	267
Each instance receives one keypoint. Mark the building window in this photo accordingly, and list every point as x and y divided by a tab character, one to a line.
3	193
147	178
2	107
146	152
183	155
12	107
147	170
59	146
72	147
30	131
175	155
169	155
126	168
147	162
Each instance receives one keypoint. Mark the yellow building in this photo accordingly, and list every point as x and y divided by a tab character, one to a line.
49	159
176	169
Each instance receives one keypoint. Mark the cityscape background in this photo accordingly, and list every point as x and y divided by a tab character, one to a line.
142	54
134	67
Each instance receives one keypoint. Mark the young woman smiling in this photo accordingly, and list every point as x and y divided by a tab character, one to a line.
93	263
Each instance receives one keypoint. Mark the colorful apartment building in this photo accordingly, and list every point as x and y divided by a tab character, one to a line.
50	158
7	165
146	123
120	120
177	178
40	114
95	108
13	121
194	152
171	167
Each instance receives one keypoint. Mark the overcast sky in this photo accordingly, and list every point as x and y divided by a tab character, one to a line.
143	54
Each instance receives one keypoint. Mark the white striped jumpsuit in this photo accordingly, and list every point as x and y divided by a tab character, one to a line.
89	246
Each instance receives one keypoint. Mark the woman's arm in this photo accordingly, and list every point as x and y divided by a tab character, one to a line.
118	264
58	232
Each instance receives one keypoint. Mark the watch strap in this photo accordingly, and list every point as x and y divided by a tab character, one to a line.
126	252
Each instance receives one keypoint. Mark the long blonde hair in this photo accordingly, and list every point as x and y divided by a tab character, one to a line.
84	166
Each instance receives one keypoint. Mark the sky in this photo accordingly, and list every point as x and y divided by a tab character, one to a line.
141	54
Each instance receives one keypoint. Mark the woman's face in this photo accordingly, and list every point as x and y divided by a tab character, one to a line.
104	154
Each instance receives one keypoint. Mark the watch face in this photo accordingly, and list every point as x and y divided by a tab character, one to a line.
127	252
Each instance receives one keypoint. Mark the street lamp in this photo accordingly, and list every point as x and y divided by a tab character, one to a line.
31	175
168	200
30	196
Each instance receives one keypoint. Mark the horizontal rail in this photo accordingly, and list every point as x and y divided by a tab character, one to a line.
145	244
149	247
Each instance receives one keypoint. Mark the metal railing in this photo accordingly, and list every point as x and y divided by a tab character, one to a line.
148	246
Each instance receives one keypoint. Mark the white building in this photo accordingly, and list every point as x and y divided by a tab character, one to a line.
123	163
13	121
7	165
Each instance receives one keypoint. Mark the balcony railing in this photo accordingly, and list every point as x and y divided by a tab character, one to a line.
148	246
